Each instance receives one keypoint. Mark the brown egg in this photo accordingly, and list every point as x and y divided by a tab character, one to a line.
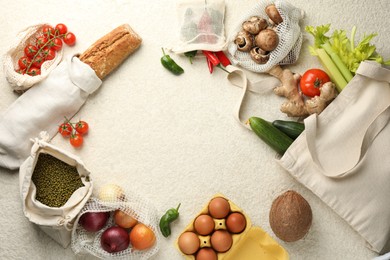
219	207
206	254
204	225
189	243
221	241
235	223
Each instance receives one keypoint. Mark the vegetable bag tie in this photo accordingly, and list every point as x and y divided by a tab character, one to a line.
342	156
43	108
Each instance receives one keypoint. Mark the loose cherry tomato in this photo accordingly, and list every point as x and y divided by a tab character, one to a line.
48	53
70	39
38	61
41	40
23	62
61	29
56	44
65	129
33	71
82	127
30	50
48	31
312	80
76	140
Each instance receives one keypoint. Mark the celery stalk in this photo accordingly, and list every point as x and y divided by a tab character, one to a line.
332	70
337	61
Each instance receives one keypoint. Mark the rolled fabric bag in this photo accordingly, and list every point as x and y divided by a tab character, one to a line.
61	94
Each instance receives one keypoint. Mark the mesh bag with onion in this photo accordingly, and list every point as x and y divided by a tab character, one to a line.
290	37
110	198
21	82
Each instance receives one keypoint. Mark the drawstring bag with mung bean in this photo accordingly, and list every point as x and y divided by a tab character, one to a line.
54	186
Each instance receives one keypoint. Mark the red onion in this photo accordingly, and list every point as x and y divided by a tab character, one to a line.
94	221
115	239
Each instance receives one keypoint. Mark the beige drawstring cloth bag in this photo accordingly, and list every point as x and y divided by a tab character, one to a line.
56	222
343	155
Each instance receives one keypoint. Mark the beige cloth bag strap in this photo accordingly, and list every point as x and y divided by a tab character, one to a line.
238	78
363	107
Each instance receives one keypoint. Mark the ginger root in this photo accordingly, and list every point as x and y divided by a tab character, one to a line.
296	106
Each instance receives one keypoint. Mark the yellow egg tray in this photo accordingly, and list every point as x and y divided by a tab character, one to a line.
251	244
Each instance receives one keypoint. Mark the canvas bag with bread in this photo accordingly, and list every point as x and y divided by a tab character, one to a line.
342	155
61	94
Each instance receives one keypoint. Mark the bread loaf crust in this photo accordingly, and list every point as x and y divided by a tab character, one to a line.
111	50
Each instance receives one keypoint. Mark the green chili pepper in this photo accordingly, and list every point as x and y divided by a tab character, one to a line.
170	64
165	221
190	54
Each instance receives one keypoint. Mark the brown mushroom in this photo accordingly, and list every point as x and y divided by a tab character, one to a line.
273	14
267	40
259	56
254	25
244	41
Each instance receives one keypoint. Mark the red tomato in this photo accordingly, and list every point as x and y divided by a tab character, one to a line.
30	50
70	39
23	62
312	80
33	71
48	31
48	53
56	44
38	61
61	29
76	140
21	71
41	41
82	127
65	129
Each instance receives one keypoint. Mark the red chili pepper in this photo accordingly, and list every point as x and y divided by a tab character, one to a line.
211	65
213	59
223	58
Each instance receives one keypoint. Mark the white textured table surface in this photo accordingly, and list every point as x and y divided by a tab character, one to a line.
174	139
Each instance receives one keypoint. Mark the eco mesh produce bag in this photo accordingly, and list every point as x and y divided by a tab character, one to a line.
342	156
288	31
201	25
23	82
43	108
54	187
109	198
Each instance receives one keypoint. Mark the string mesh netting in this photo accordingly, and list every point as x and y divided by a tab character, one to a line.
84	242
20	82
289	32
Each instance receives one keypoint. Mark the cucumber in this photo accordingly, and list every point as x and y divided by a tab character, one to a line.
272	136
291	128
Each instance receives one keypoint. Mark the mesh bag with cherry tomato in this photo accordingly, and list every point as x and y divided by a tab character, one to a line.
36	52
116	224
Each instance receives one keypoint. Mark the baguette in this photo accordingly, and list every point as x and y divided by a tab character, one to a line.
111	50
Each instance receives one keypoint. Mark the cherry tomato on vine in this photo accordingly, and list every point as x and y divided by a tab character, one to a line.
312	80
61	29
23	62
48	53
65	129
38	61
56	44
70	39
41	40
30	50
48	31
33	71
82	127
76	140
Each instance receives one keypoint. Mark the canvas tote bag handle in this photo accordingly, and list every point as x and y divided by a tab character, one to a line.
360	113
238	78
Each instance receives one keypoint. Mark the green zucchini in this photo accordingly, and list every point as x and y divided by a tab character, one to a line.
291	128
272	136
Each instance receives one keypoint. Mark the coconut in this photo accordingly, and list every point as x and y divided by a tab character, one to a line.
290	216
